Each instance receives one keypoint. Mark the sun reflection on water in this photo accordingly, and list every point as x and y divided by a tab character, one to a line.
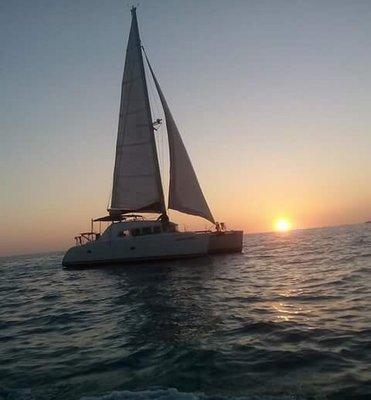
291	309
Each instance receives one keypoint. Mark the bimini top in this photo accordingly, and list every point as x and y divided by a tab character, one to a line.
119	217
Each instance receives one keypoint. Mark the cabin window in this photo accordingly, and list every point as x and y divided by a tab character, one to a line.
124	233
147	230
157	229
135	232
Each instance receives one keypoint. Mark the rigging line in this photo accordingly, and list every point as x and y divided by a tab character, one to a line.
152	95
156	100
165	162
159	135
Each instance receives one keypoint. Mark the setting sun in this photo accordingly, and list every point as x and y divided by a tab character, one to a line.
282	225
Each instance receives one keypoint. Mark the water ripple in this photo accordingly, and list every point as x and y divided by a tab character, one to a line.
290	318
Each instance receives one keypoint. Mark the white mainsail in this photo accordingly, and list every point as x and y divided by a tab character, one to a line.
136	179
185	193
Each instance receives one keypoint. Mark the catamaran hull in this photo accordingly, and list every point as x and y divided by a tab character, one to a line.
225	242
153	248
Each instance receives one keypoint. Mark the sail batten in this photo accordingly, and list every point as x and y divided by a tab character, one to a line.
185	193
136	179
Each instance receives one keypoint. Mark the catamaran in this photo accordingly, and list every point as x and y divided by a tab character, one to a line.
137	186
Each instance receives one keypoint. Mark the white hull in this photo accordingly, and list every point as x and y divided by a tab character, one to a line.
111	248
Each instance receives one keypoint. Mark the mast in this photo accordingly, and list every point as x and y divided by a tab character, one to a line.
133	11
137	182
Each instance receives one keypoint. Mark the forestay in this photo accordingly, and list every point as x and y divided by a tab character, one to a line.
136	179
185	193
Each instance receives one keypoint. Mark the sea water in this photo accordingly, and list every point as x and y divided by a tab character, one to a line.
289	318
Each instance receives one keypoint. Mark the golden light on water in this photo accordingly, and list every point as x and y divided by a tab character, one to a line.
282	225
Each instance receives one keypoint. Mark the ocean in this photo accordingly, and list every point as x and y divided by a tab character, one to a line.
290	318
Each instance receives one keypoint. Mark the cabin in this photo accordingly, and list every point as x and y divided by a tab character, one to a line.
137	228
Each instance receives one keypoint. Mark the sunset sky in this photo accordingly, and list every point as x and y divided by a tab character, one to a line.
272	98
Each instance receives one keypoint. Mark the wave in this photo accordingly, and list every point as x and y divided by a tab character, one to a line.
16	394
174	394
154	394
286	319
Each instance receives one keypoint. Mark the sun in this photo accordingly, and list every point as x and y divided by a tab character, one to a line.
282	225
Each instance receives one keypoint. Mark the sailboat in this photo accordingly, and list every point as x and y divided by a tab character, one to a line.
137	186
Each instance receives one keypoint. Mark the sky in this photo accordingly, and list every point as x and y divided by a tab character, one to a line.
272	99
